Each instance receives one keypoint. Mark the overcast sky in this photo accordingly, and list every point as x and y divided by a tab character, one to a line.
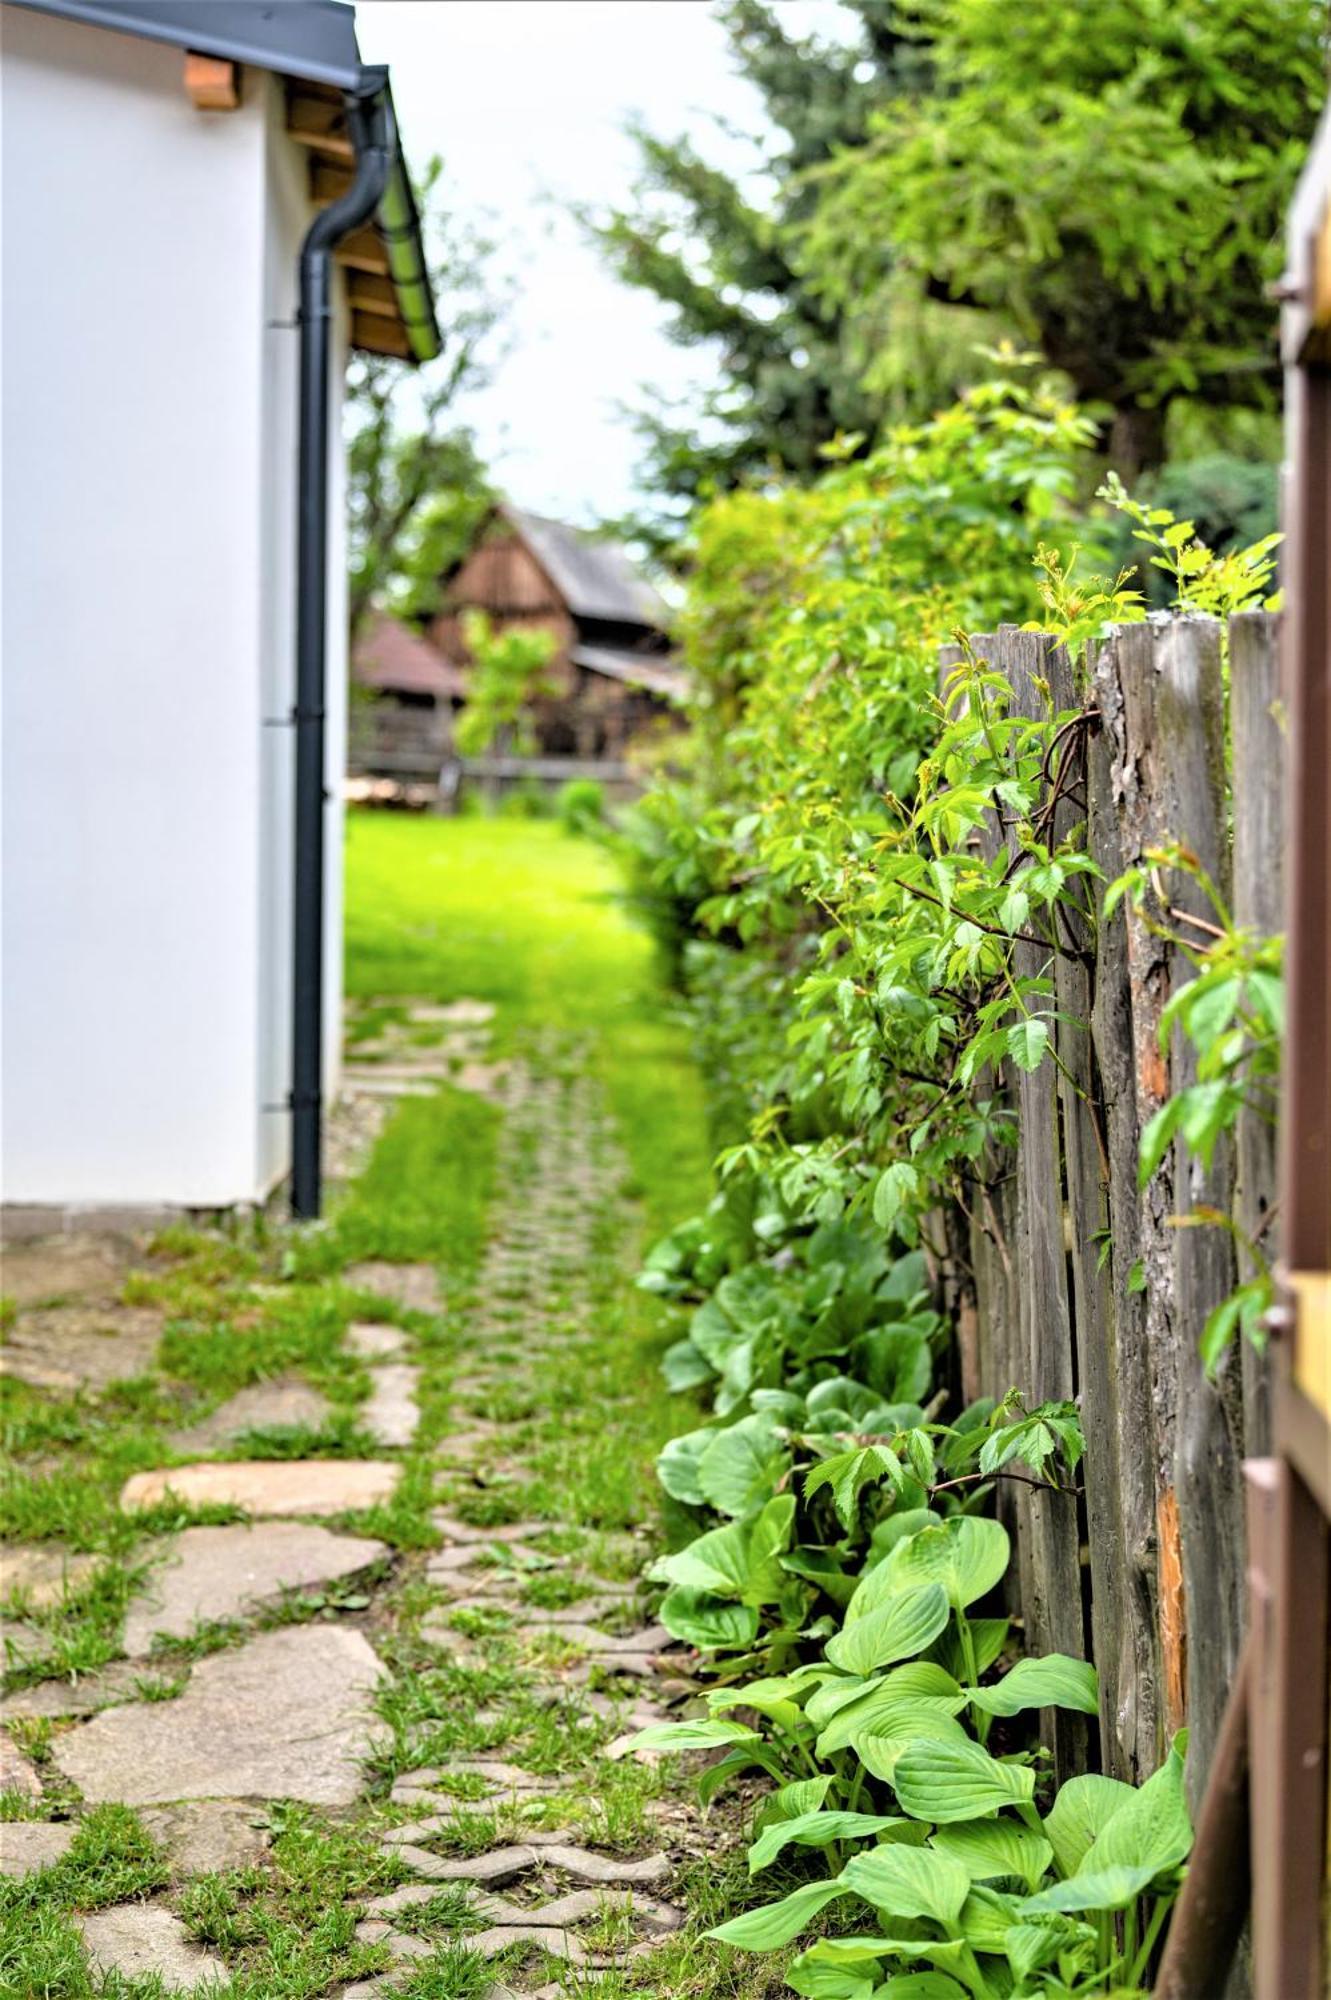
527	102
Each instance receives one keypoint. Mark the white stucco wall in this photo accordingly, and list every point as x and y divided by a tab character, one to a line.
148	621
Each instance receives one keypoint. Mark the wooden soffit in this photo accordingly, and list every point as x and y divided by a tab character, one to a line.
316	120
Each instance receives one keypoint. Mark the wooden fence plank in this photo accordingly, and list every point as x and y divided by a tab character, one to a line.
1121	1447
1258	733
1052	1605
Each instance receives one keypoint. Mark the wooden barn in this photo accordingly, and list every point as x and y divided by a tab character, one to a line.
613	676
405	693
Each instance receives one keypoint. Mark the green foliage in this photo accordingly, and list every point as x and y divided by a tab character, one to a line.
507	674
1111	180
719	255
417	490
580	806
966	1869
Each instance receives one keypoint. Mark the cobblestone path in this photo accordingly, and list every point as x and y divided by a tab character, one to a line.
386	1597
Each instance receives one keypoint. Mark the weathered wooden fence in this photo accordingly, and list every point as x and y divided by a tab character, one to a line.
1080	1286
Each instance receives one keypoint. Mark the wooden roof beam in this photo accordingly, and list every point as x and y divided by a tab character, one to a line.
368	292
363	250
376	334
211	83
319	123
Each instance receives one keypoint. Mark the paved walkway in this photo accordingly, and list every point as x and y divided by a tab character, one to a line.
281	1654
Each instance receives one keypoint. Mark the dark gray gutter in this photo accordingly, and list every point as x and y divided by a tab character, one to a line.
370	124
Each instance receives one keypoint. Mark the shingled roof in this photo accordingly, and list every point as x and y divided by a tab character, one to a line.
393	659
595	579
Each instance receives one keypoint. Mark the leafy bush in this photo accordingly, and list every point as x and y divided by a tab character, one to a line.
855	943
580	805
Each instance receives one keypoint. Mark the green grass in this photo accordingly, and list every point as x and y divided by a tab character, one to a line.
527	917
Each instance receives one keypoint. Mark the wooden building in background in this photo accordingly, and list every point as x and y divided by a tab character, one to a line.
612	676
405	694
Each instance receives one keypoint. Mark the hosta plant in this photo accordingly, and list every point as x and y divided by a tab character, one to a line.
958	1876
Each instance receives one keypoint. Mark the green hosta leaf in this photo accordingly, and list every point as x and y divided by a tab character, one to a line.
740	1467
987	1919
946	1782
793	1801
777	1923
770	1537
1082	1810
699	1619
1152	1830
988	1638
817	1829
829	1982
684	1367
820	1568
713	1334
774	1697
920	1986
968	1555
884	1741
1055	1680
918	1681
1027	1042
992	1849
717	1562
677	1467
909	1882
1094	1889
1036	1942
749	1756
699	1735
948	1954
901	1629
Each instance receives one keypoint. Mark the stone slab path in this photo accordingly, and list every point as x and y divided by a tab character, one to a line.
288	1715
207	1575
264	1692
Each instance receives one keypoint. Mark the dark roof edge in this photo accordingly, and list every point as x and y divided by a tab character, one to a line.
315	42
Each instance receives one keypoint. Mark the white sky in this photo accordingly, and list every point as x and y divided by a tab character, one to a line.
527	101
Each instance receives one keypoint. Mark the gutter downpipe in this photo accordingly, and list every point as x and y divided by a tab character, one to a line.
369	125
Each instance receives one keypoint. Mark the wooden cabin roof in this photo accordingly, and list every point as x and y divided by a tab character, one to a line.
393	659
595	579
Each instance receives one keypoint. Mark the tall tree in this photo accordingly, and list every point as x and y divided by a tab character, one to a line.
721	258
417	486
1109	178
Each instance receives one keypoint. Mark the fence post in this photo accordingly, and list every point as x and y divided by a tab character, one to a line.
1258	732
1161	695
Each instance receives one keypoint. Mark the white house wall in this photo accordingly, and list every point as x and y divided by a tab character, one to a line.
148	620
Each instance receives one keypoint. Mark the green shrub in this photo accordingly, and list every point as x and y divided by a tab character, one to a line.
580	806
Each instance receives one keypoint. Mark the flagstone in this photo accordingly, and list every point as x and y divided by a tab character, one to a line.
283	1716
372	1340
413	1285
268	1486
29	1845
44	1573
138	1940
391	1413
208	1836
208	1574
81	1346
62	1267
83	1694
17	1774
285	1403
